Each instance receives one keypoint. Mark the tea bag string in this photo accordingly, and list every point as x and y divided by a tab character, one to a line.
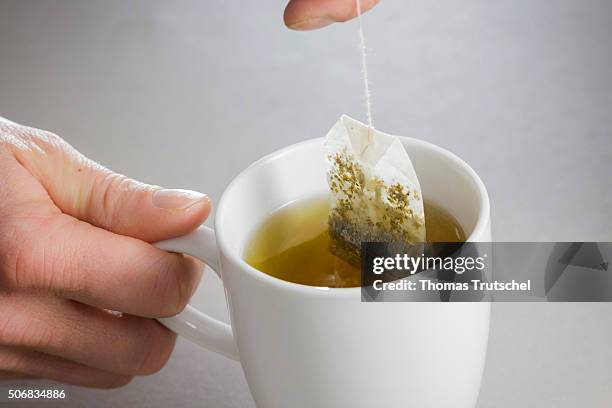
364	69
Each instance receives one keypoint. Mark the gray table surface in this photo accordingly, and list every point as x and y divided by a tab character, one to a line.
185	94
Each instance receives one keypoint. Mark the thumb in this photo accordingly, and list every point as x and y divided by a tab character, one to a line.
90	192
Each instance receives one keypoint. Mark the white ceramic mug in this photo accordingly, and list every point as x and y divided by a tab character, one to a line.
302	346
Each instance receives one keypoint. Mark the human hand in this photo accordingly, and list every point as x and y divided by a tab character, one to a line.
73	242
313	14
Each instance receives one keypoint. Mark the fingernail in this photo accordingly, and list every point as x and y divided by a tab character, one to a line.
311	23
175	199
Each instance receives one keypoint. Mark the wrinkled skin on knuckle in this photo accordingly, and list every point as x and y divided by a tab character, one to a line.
15	330
39	259
17	255
114	191
31	252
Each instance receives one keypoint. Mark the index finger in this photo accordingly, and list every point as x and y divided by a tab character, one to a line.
88	264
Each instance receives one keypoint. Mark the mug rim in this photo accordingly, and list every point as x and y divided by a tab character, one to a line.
223	246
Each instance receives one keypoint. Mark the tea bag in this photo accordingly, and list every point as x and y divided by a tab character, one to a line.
375	193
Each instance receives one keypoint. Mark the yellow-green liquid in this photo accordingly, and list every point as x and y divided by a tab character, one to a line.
293	244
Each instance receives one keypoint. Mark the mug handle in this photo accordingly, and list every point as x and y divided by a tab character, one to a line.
192	324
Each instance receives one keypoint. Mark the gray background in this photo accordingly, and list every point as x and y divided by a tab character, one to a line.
187	93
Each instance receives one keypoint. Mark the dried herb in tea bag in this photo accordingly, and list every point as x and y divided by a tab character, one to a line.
375	193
